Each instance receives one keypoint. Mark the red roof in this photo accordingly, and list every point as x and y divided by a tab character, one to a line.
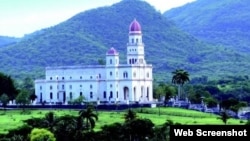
112	51
135	26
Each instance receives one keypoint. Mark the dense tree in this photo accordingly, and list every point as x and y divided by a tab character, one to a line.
180	77
248	122
35	122
130	115
4	99
211	102
23	98
112	132
159	90
170	92
139	129
79	100
33	97
88	117
101	62
41	135
7	86
66	128
162	131
19	134
50	120
228	103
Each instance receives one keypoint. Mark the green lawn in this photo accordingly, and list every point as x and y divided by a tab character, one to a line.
13	118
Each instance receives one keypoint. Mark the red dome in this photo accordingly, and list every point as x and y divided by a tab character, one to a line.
134	26
112	51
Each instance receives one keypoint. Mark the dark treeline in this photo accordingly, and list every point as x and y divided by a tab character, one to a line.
232	92
81	127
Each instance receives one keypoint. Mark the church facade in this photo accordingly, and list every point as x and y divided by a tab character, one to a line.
112	82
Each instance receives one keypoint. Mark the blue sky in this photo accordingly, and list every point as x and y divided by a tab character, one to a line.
20	17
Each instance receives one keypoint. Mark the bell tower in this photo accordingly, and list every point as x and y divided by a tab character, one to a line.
135	46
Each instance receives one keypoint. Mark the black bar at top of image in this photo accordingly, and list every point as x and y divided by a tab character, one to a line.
214	132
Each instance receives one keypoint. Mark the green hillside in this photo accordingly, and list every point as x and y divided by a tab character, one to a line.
5	40
85	38
224	22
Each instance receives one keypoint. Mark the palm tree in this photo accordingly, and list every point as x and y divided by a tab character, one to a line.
180	77
89	117
50	120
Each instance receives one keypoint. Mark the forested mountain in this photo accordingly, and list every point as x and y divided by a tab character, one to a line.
225	22
85	38
5	40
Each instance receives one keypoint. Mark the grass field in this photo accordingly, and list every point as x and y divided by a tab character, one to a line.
13	118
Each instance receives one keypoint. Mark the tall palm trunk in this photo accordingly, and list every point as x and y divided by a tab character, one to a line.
179	92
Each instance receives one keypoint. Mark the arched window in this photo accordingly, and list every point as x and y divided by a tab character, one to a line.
91	95
142	90
110	61
41	97
125	74
110	73
111	94
148	93
104	94
51	95
70	95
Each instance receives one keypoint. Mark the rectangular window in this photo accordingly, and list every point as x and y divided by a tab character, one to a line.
70	95
91	95
51	95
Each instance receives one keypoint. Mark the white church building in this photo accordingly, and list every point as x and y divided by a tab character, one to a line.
112	82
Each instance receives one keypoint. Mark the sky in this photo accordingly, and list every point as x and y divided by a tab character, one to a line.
20	17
